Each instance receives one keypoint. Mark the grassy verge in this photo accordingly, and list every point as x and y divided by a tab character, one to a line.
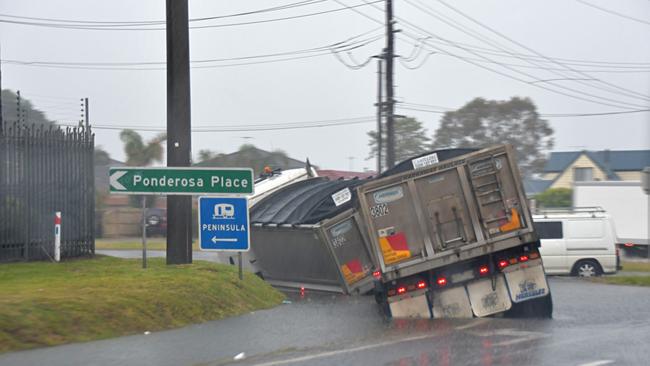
45	304
135	244
625	280
636	266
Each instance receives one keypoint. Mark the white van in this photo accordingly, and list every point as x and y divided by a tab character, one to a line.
577	241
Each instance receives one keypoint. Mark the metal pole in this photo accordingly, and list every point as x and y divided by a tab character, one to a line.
241	271
1	90
390	104
144	231
379	114
179	208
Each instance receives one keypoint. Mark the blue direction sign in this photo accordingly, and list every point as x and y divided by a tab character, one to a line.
223	224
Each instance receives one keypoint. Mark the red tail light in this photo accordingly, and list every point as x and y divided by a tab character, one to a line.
376	274
483	270
629	245
441	281
401	290
422	285
302	291
523	258
503	263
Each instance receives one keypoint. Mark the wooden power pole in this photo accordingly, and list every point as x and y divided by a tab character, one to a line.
179	208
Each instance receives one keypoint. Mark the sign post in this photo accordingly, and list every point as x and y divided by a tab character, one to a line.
144	232
57	236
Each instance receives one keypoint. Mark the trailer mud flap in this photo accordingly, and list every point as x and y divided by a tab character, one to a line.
415	306
451	303
526	281
489	296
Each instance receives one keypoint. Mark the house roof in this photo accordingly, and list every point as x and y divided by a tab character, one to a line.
609	161
535	186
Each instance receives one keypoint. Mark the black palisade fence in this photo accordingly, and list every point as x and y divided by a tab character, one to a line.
45	169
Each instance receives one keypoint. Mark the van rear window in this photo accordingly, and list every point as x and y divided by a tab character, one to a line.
549	229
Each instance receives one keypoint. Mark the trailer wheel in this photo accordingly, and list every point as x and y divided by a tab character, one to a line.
382	299
540	308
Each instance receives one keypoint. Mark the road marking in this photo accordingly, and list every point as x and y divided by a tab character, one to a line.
344	351
597	363
473	324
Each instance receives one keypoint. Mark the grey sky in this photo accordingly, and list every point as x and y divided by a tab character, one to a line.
322	88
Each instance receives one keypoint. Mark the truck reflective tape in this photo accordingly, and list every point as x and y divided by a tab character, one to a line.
394	248
353	271
513	224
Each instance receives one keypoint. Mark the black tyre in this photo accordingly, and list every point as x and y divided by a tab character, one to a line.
587	268
540	308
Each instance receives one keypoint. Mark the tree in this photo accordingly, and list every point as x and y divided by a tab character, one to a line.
410	140
483	122
555	197
206	154
139	154
28	113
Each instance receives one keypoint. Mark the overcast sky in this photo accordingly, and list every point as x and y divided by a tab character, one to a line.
611	48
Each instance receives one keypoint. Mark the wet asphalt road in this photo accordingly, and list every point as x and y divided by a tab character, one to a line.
594	324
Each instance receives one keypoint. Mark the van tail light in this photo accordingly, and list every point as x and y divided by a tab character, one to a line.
513	260
401	290
441	281
523	258
377	275
629	245
503	263
483	270
421	285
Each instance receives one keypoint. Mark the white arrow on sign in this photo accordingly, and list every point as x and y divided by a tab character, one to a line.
113	180
215	239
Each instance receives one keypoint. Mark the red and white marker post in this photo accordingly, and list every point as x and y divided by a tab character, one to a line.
57	236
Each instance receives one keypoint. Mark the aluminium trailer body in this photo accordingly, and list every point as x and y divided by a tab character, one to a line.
455	238
310	235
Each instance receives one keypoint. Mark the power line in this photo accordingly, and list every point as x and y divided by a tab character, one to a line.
436	109
107	28
614	13
483	38
343	46
160	22
245	127
629	93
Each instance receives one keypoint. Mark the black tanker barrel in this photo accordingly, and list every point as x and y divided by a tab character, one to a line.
287	238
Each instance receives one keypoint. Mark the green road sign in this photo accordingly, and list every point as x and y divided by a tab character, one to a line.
188	181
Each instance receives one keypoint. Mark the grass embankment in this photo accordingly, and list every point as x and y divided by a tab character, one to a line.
633	280
45	304
636	266
135	244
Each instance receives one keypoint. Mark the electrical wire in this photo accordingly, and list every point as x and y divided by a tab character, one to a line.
107	28
246	127
614	13
628	92
347	45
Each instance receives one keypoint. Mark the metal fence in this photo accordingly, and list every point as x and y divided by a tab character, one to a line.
45	169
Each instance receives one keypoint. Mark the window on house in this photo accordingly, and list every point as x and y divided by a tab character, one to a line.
583	174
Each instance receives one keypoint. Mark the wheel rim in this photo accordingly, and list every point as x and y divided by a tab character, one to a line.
586	270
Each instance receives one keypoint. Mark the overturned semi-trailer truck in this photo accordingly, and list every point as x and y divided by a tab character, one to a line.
446	234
